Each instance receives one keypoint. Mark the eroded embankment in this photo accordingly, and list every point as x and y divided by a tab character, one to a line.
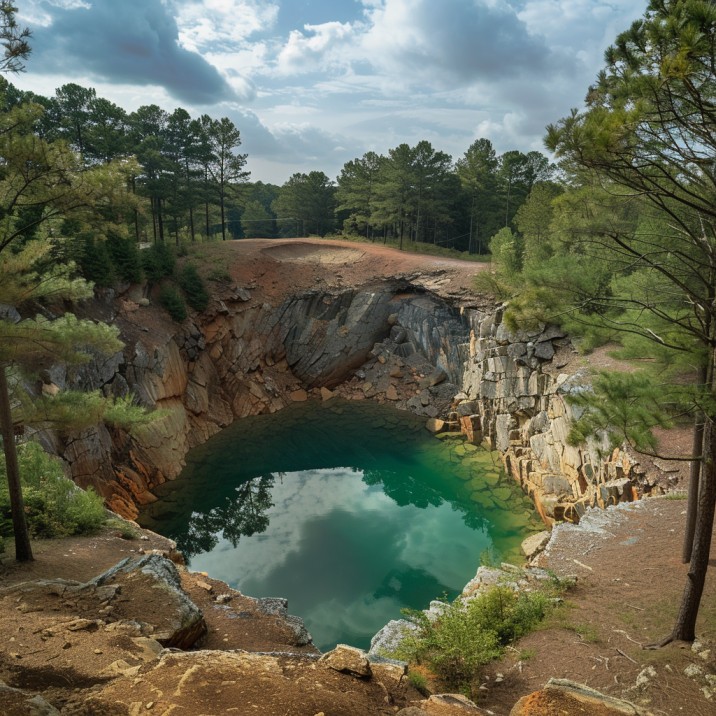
309	322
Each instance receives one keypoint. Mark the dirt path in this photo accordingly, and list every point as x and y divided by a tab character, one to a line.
629	584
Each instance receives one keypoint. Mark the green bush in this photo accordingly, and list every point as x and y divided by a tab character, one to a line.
196	294
54	505
124	255
470	634
170	298
158	262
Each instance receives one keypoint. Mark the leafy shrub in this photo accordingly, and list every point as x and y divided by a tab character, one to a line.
470	634
170	298
54	505
158	262
196	294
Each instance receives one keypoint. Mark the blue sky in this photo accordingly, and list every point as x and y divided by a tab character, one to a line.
314	83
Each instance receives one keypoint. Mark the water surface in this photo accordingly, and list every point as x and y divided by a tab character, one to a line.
349	510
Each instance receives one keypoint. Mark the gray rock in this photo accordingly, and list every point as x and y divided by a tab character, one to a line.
534	544
544	351
454	701
183	623
278	606
466	408
9	313
348	660
398	334
389	637
301	634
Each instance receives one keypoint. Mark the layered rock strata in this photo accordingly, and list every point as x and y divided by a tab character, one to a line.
246	356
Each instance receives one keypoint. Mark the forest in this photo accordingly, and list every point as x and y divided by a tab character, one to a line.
194	183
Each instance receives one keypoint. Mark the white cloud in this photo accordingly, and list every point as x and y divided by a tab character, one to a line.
452	43
321	46
205	23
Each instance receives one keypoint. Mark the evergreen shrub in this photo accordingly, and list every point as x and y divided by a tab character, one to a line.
170	298
158	262
194	289
54	505
125	258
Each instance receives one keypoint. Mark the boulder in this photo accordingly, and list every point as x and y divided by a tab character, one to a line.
298	396
435	425
177	621
534	544
348	660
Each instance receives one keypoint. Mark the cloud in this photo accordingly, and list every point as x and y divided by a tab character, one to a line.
453	42
133	41
217	25
321	45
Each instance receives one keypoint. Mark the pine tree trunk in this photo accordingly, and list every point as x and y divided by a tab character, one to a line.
223	222
694	475
685	626
191	224
23	550
160	220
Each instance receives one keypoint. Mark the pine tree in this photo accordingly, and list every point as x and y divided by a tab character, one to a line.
646	140
43	185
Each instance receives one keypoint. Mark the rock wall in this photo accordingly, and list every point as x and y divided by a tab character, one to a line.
240	358
245	357
516	400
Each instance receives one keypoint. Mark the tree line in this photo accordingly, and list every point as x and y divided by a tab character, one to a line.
416	194
195	184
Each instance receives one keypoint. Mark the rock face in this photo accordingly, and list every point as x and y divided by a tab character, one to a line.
240	358
244	357
522	411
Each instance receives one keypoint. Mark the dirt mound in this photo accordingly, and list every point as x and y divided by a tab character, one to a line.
313	253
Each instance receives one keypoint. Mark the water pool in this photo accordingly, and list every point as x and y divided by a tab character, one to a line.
351	511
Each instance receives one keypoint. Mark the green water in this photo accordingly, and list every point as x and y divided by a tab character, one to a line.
349	510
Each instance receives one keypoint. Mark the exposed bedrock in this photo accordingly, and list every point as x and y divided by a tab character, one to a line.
243	357
516	399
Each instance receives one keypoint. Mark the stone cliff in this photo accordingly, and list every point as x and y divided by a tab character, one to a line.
301	317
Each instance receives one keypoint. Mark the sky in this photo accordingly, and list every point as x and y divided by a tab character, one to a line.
312	84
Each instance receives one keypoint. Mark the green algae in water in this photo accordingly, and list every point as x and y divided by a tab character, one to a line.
349	510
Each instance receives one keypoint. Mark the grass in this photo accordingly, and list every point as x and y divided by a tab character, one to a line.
125	529
680	496
561	618
419	682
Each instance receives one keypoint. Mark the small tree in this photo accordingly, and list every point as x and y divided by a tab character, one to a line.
42	185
